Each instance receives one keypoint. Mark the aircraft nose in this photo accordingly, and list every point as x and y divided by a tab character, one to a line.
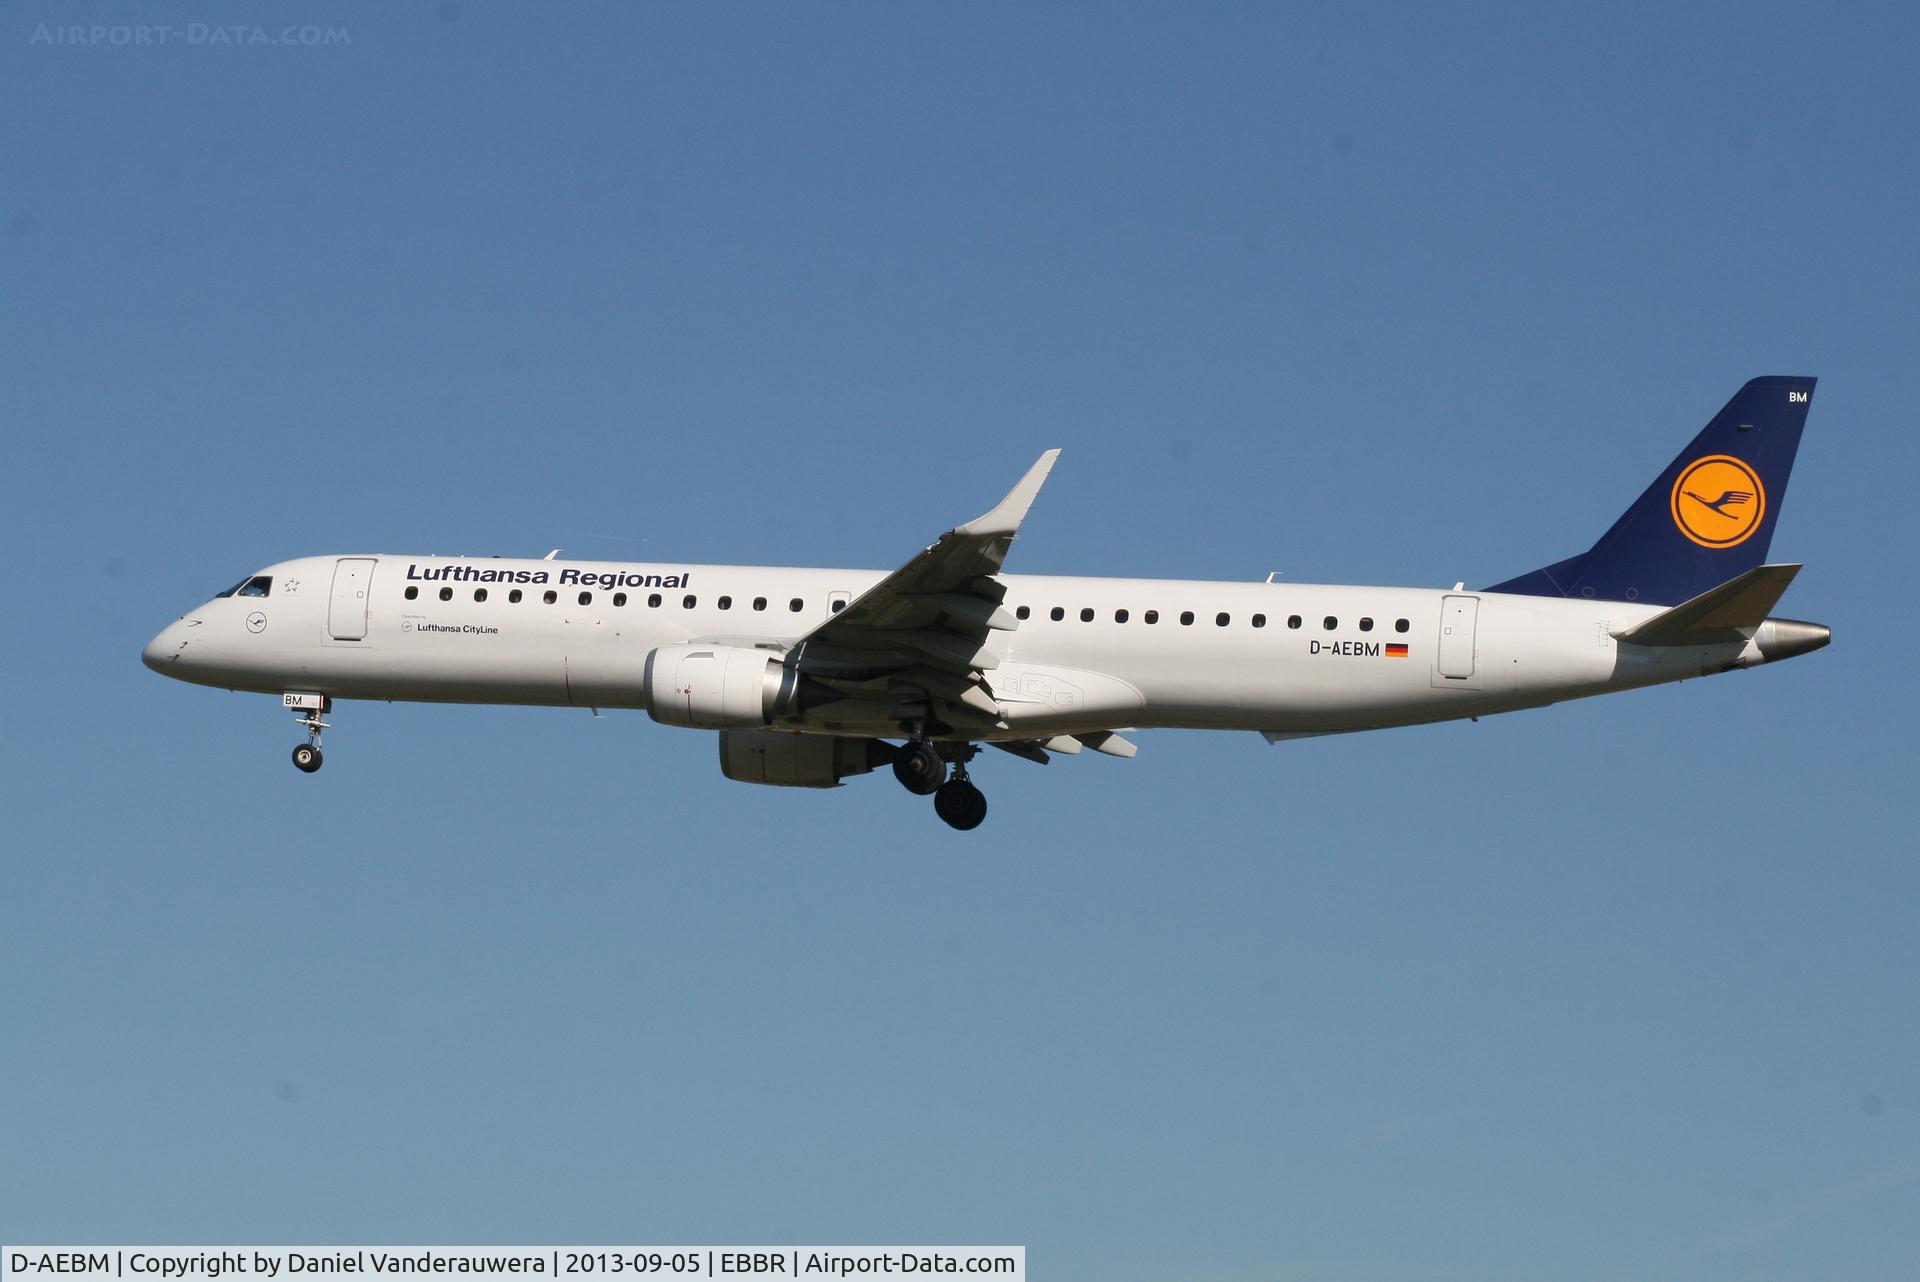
164	649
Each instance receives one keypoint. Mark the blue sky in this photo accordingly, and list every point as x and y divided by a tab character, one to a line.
1614	990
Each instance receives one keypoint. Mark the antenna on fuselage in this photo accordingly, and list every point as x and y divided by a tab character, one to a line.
549	556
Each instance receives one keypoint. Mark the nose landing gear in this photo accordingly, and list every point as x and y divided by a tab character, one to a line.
309	709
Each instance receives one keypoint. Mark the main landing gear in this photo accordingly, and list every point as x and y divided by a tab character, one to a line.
923	769
920	768
308	710
959	804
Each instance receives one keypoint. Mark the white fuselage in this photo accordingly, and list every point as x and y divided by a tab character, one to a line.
1283	658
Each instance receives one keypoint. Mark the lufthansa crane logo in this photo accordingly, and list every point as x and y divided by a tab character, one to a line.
1718	501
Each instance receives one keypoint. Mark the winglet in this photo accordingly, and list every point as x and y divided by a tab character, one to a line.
1006	518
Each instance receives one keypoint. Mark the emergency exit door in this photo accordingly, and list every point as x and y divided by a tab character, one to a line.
1457	617
347	617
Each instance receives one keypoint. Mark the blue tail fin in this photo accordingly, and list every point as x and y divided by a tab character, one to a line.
1708	518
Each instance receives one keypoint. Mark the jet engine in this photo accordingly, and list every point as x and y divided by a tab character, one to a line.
789	760
712	686
720	687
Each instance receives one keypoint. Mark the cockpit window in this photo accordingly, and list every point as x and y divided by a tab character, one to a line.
230	591
258	585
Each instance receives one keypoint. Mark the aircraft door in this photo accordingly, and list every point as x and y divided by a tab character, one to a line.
347	616
1458	615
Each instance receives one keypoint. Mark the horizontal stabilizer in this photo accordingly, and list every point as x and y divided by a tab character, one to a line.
1731	612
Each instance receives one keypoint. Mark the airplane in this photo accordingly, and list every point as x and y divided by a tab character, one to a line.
813	676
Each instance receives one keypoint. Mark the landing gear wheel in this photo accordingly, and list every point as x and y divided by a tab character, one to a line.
960	805
919	767
310	709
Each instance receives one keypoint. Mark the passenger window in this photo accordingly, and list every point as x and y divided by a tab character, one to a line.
1293	620
1221	620
1086	615
586	598
549	596
258	585
1366	624
1259	620
446	594
1056	614
513	597
653	601
1023	612
759	603
1400	625
413	593
839	606
796	605
619	598
479	594
725	603
1119	616
1150	618
688	601
1330	623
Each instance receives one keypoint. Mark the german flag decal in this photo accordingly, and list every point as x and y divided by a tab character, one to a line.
1395	650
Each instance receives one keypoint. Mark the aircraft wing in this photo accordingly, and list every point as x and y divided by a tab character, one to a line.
918	637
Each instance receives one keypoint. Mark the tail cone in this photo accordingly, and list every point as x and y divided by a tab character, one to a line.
1784	638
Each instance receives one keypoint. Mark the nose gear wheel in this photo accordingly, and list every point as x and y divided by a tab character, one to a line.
307	757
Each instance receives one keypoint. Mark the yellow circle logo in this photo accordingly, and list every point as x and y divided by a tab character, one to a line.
1718	501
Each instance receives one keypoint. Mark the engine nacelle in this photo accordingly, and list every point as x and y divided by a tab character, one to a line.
712	687
788	760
